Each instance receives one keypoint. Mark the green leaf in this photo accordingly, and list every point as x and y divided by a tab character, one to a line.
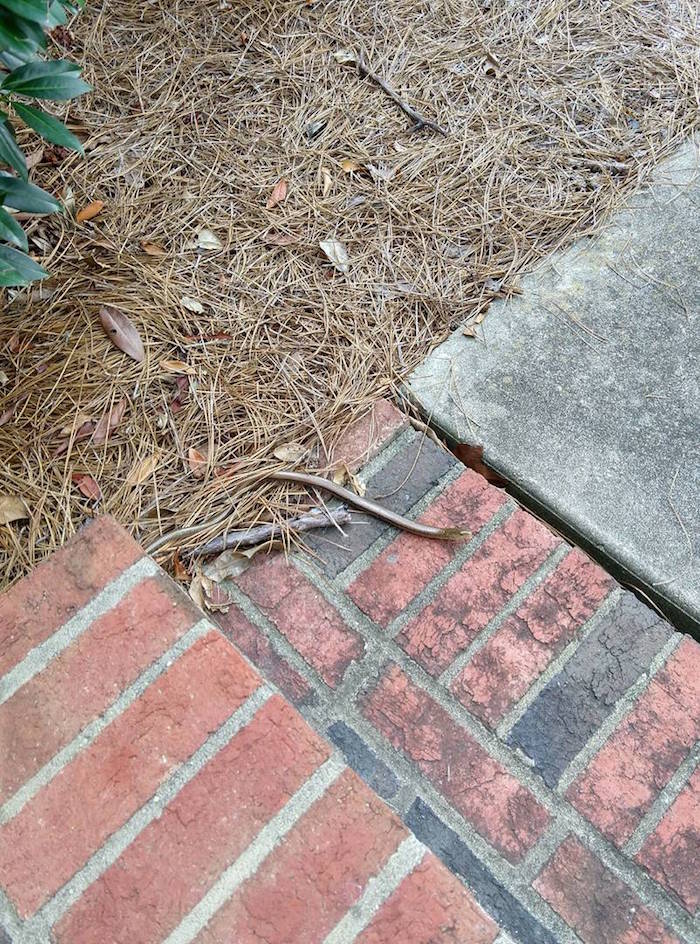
57	15
23	196
9	152
11	231
16	268
47	126
35	10
22	44
57	80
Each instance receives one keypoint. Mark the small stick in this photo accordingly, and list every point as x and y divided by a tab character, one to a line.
316	518
420	121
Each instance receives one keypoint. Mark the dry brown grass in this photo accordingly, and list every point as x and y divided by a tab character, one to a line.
554	109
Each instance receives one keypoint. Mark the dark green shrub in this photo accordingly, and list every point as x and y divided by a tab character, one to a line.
26	75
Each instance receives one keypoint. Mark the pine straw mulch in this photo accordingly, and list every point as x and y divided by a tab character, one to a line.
554	109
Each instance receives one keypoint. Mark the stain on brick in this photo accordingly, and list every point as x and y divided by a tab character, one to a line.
302	614
488	891
430	906
671	854
574	704
403	569
634	765
398	486
480	788
363	760
596	904
253	643
477	592
517	654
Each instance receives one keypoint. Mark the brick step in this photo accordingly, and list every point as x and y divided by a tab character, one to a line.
491	741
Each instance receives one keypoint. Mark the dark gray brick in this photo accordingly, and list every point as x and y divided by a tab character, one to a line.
404	480
491	895
5	936
363	760
576	702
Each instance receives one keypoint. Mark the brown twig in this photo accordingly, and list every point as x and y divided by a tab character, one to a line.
420	121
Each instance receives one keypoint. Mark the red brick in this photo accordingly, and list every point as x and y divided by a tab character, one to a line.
364	438
49	711
303	615
404	568
430	906
486	795
627	774
596	904
309	882
671	854
517	654
255	644
58	830
477	592
53	593
178	857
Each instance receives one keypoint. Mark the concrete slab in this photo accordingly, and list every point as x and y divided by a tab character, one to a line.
584	390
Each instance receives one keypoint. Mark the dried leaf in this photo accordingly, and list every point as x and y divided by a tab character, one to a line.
121	332
473	457
191	304
87	485
349	165
197	462
109	422
208	240
143	470
196	591
344	56
177	367
4	379
152	249
278	195
281	239
336	253
216	597
12	508
84	431
90	211
228	564
290	452
357	485
15	343
327	180
34	158
380	172
7	414
180	572
340	475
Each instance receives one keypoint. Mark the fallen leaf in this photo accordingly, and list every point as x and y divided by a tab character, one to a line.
344	56
143	470
34	158
278	195
109	422
3	378
79	420
315	128
327	180
357	485
197	462
281	239
470	331
196	591
380	172
216	597
208	240
12	508
336	253
90	211
179	570
191	304
183	388
87	485
69	200
349	165
152	249
228	564
121	332
340	475
15	343
473	457
7	414
177	367
84	431
290	452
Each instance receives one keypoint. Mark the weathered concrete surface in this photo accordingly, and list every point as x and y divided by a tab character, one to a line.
585	389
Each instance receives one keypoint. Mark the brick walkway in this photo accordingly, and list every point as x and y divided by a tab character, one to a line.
528	723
